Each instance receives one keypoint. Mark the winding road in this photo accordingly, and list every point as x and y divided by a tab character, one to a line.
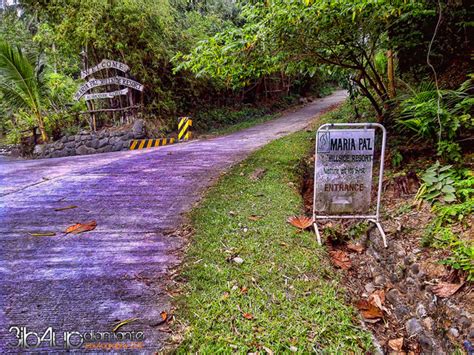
89	281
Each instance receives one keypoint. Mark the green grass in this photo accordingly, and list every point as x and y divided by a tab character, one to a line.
293	293
253	121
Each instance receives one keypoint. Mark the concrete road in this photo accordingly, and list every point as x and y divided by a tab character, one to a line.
89	281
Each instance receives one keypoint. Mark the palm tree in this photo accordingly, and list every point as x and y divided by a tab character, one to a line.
21	84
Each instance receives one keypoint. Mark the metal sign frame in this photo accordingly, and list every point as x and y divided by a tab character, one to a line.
374	218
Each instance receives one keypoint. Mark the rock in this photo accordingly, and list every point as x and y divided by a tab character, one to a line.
413	327
426	343
64	139
421	311
428	323
69	145
371	252
293	349
401	311
471	334
83	150
117	146
415	269
238	260
401	253
464	322
94	143
138	129
58	145
370	288
40	149
71	138
380	280
393	296
453	332
125	145
103	142
410	259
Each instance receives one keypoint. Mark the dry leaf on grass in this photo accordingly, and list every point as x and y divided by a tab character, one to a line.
164	315
255	217
340	259
243	289
368	310
247	316
65	208
444	289
396	344
355	247
301	222
257	174
81	227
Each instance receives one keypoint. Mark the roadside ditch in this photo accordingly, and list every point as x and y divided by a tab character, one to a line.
404	295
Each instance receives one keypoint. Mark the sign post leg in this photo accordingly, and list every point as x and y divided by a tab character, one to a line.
316	230
382	233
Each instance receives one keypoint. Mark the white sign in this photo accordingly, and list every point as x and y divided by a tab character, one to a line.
106	95
105	64
116	80
343	170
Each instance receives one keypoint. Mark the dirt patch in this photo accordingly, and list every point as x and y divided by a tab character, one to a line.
395	288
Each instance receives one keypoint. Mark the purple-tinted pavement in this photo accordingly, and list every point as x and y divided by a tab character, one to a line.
118	271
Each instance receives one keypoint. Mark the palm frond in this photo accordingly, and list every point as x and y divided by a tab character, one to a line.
19	73
14	97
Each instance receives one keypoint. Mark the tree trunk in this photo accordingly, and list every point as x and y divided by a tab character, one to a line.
44	135
390	74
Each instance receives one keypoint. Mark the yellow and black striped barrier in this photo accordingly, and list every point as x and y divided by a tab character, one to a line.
184	134
150	143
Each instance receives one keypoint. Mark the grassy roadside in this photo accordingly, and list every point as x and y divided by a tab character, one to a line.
241	125
284	296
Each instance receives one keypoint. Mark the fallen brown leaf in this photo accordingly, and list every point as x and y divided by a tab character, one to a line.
257	174
65	208
396	344
247	316
368	310
301	222
81	227
340	259
164	315
444	289
255	217
122	323
43	234
377	298
243	289
355	247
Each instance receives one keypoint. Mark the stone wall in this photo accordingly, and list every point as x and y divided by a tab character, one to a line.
86	142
